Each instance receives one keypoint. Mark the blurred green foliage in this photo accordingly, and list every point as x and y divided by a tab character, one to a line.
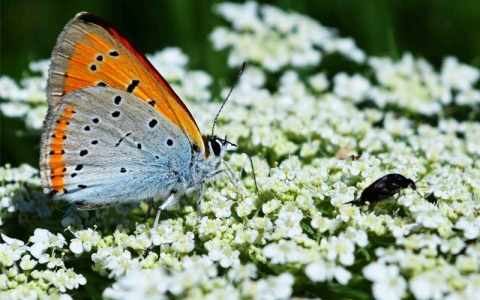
431	28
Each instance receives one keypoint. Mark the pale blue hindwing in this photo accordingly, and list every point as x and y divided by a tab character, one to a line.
127	150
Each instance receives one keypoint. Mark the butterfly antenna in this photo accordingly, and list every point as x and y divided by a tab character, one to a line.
253	172
225	101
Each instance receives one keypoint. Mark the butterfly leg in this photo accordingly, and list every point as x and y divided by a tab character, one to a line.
199	202
162	207
71	209
231	174
149	211
253	172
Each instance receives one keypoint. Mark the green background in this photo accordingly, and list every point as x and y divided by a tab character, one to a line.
29	29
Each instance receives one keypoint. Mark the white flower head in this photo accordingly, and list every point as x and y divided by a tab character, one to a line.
43	239
84	241
320	271
221	206
429	285
387	281
171	62
140	284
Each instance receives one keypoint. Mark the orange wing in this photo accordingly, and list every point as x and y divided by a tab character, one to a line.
91	52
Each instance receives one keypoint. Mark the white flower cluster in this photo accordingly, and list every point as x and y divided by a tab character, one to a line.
413	84
26	100
29	272
199	279
313	150
17	191
275	39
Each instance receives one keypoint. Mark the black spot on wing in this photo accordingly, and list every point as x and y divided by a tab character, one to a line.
117	100
152	123
132	85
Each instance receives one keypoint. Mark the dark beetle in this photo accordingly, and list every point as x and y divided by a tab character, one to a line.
383	188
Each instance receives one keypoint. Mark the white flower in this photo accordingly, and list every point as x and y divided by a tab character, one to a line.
245	207
282	252
227	291
9	89
24	173
13	243
14	109
35	117
11	251
226	256
319	82
240	273
163	234
453	245
64	279
429	285
40	66
184	243
274	39
322	223
242	16
140	284
264	224
341	194
27	263
458	76
347	47
262	136
387	282
341	249
195	85
467	264
51	261
408	83
221	207
171	63
280	287
320	271
468	97
211	226
470	226
271	206
84	241
43	239
355	87
140	241
247	236
289	219
119	262
359	237
428	216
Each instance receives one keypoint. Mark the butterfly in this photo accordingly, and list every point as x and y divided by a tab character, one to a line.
115	131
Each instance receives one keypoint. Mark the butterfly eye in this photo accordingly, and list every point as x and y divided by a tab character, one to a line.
215	146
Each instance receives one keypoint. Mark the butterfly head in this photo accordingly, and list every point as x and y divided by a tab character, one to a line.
216	146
